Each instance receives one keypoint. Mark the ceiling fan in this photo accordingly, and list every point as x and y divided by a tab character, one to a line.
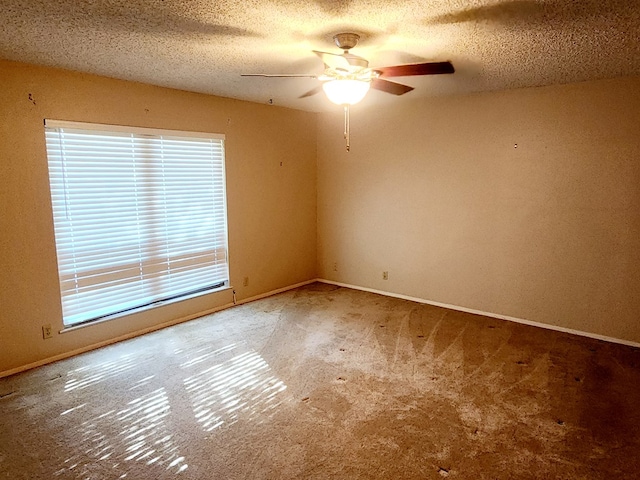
347	77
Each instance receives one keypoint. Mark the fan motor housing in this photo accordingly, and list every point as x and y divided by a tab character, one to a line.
346	41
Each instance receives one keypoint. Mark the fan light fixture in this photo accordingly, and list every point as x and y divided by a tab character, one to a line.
347	78
346	91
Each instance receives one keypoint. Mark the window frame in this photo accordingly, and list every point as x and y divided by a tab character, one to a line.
218	182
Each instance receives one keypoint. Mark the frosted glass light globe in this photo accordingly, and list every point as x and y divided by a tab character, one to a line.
345	91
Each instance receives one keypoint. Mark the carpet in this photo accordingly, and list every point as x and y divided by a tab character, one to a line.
325	382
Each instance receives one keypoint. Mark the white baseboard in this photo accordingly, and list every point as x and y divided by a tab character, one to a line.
486	314
177	321
275	292
110	341
143	331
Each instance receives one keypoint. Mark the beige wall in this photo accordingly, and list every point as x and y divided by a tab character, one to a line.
271	208
438	195
433	192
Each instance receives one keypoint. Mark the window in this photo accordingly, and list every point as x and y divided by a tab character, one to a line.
139	216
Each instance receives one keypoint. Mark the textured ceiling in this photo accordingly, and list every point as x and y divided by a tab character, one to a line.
204	45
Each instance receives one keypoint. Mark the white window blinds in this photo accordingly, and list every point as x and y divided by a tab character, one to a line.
139	215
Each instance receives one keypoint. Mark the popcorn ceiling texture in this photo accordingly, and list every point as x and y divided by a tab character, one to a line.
204	46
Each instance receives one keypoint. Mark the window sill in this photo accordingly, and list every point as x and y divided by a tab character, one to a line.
108	318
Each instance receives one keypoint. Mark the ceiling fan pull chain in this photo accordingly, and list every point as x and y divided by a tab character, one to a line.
347	132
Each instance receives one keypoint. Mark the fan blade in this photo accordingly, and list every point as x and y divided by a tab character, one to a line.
390	87
278	75
333	60
311	92
430	68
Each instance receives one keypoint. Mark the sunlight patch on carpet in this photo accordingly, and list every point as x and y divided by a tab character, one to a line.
89	375
242	387
140	436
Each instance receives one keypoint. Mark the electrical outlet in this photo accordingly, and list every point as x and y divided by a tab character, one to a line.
245	282
385	275
335	266
47	331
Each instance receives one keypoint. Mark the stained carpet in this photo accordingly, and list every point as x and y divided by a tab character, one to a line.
324	382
